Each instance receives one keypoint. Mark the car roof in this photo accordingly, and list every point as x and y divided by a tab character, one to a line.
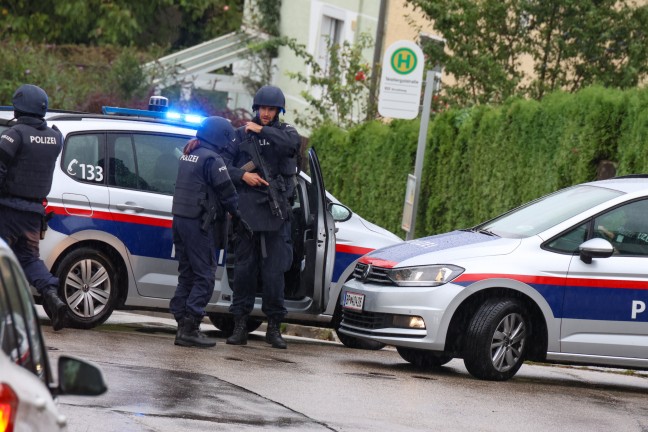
628	184
131	121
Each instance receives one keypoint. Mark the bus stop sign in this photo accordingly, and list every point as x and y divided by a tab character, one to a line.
401	81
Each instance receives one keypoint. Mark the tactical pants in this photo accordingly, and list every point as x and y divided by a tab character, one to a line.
21	230
198	258
250	261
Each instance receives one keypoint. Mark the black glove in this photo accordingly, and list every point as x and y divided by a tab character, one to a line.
240	226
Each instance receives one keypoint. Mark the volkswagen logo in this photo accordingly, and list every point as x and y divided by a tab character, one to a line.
365	273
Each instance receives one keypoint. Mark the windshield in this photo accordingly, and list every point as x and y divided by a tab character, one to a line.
548	211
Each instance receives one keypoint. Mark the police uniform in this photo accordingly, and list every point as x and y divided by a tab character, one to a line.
269	251
28	153
203	195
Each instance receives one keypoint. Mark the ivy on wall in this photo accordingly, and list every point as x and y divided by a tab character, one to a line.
484	160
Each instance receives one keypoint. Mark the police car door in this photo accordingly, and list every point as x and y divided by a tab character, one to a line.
141	178
606	301
324	234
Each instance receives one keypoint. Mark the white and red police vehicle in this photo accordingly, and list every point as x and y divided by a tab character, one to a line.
561	279
109	238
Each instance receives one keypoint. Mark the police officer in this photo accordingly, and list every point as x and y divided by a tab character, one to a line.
269	250
203	195
28	153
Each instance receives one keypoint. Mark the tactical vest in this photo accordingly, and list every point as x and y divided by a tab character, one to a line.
253	201
30	173
190	197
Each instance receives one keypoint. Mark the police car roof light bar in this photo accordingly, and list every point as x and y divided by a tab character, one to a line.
163	115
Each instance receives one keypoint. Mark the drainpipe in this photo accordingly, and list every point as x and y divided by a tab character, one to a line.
380	33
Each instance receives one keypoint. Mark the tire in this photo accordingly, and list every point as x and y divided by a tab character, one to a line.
496	341
424	359
225	323
88	284
350	341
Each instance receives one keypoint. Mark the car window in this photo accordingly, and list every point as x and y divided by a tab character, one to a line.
548	211
571	240
146	162
83	158
626	227
19	330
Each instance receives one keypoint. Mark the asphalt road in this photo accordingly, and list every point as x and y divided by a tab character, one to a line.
320	385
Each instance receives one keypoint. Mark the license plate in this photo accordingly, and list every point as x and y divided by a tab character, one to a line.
353	301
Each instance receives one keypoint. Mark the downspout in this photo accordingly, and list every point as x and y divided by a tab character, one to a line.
380	34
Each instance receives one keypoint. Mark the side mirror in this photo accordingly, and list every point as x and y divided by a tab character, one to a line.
595	248
339	212
78	377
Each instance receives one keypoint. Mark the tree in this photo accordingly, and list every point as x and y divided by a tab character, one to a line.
569	43
338	94
176	23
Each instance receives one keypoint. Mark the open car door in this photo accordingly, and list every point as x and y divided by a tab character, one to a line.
323	233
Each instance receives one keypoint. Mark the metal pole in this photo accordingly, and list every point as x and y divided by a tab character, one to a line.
420	150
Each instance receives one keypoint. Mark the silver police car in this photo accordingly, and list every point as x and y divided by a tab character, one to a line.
109	239
561	279
27	388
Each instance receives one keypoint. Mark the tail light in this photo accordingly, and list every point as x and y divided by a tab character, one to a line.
8	408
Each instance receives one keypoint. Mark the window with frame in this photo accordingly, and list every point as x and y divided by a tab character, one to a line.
625	227
83	158
147	162
331	31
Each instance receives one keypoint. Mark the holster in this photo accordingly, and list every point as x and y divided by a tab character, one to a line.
44	220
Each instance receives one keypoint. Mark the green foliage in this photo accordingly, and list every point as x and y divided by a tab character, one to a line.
571	44
484	160
72	75
175	23
338	91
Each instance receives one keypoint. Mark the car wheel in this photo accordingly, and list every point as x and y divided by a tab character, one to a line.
422	358
88	284
225	323
496	340
350	341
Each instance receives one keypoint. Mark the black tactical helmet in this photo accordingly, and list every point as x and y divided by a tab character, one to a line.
30	99
216	131
269	96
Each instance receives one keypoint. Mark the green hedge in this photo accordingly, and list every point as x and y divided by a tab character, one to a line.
482	161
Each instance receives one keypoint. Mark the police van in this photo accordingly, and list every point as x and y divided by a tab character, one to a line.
109	239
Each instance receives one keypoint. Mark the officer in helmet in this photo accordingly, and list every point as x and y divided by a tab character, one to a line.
203	194
28	153
268	252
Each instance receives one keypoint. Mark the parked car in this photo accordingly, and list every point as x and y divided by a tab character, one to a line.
27	389
109	239
561	279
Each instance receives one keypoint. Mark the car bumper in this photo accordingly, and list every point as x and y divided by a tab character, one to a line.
387	310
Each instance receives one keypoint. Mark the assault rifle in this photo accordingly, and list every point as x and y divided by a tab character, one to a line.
251	147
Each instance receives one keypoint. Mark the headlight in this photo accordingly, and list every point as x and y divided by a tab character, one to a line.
433	275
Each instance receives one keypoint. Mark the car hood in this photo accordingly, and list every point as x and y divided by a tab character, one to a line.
441	249
379	230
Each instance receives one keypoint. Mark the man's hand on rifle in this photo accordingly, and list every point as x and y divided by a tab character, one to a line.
254	179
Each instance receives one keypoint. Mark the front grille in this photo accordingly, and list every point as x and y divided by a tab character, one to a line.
375	274
366	320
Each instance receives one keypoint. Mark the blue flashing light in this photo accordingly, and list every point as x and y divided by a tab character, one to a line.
174	117
192	118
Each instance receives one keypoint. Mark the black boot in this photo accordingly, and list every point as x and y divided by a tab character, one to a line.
240	334
180	322
56	307
190	335
273	335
